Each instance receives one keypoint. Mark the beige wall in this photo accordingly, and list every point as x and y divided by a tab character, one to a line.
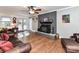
67	29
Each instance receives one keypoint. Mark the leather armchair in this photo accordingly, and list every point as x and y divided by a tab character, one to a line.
71	44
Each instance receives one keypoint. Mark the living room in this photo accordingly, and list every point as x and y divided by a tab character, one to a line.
39	29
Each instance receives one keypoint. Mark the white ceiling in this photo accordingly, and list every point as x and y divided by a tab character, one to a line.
46	9
23	11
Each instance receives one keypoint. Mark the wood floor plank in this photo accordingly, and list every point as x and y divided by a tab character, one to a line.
43	44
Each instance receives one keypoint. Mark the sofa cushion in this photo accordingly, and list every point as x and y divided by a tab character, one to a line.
73	47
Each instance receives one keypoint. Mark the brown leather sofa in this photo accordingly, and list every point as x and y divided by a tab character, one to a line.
19	47
71	45
23	48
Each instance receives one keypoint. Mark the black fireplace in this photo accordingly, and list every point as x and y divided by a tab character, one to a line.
45	27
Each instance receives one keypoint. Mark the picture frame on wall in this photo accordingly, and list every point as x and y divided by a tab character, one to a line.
66	18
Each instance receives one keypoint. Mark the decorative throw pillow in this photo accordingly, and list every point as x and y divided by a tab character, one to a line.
6	45
4	36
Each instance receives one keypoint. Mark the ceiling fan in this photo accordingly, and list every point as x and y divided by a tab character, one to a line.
34	10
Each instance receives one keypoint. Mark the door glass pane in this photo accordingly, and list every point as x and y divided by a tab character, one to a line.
20	24
20	35
24	24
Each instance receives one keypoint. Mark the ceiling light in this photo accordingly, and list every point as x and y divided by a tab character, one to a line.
31	12
34	8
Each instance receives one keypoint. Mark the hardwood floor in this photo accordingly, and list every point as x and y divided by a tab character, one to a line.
43	44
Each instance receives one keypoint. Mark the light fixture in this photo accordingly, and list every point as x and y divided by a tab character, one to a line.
31	11
34	10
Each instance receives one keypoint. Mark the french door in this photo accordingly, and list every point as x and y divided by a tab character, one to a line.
22	25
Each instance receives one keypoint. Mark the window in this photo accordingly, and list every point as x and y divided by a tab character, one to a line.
5	22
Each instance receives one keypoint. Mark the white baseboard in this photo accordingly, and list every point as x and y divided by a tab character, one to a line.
50	34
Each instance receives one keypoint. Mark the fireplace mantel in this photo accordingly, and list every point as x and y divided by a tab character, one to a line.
46	22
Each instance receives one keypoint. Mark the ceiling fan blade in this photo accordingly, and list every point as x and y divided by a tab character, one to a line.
34	9
38	10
